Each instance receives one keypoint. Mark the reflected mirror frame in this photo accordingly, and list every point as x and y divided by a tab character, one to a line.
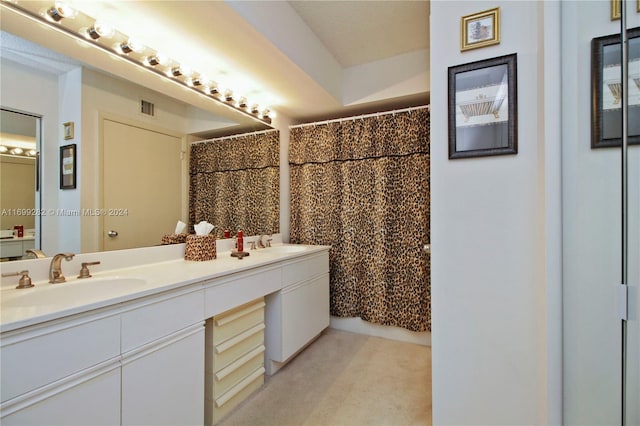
598	115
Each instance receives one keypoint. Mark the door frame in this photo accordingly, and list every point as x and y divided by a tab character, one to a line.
92	225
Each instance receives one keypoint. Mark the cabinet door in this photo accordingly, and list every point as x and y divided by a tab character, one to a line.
90	401
163	382
305	313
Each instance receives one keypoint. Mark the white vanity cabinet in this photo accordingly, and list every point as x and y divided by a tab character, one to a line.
163	383
163	360
300	311
139	363
54	373
147	358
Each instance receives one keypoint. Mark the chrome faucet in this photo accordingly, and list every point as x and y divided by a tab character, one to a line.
55	269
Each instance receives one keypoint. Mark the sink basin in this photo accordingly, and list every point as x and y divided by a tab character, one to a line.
286	249
77	291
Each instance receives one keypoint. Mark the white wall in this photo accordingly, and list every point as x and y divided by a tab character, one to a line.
495	239
37	93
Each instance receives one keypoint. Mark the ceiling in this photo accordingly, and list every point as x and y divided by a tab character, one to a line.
358	32
307	59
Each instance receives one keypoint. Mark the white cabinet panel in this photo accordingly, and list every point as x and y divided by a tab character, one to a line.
163	383
43	355
241	289
305	313
94	401
157	318
305	268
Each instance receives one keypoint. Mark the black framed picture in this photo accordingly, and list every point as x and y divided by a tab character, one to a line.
483	110
606	90
68	166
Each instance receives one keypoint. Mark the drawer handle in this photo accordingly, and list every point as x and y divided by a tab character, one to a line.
230	318
239	387
239	362
227	344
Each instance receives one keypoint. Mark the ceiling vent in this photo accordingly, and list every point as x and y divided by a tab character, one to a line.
147	108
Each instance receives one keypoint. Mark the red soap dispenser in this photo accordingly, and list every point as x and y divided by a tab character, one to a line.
240	241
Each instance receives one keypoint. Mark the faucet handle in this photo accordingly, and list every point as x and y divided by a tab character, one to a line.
269	242
84	271
25	279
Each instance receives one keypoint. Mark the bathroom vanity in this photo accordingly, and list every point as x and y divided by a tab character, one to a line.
129	345
16	247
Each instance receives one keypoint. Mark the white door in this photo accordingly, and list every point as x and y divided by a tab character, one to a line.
142	185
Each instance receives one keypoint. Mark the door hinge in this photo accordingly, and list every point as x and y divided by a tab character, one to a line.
621	297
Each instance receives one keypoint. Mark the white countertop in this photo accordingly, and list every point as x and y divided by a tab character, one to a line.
46	302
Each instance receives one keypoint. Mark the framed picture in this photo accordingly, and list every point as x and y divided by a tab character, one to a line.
480	29
606	90
68	130
616	6
483	110
68	166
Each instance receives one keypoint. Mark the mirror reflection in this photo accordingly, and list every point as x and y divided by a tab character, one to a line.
133	147
18	191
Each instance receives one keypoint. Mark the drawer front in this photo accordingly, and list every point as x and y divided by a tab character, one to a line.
11	249
41	358
231	399
236	321
225	355
238	370
304	269
153	320
222	297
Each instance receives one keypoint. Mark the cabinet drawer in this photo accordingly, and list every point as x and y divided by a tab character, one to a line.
239	369
35	358
158	317
304	269
241	391
236	321
240	289
224	355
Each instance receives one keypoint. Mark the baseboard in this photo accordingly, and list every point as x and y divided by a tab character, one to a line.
357	325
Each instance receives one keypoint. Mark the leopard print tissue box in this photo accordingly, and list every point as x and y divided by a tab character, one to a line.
173	239
200	247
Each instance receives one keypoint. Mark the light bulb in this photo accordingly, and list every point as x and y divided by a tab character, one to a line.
17	151
3	148
61	10
101	29
131	45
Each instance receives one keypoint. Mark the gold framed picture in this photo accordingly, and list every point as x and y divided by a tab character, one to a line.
480	29
615	9
67	130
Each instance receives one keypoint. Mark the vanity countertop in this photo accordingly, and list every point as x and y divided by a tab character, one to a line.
46	302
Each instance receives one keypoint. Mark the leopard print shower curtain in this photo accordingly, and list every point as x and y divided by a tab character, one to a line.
235	183
362	186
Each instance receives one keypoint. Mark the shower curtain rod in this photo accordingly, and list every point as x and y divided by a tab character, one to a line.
375	114
237	135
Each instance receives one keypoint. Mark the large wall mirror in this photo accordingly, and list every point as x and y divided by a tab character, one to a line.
19	194
129	163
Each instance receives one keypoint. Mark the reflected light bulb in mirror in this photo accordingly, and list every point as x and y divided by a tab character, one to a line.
100	29
61	10
131	45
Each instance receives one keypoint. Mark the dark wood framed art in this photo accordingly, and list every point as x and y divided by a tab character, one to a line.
68	166
606	90
483	110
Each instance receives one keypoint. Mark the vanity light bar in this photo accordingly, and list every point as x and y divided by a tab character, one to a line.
17	151
106	38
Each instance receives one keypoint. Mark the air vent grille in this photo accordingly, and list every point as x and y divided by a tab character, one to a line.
147	108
